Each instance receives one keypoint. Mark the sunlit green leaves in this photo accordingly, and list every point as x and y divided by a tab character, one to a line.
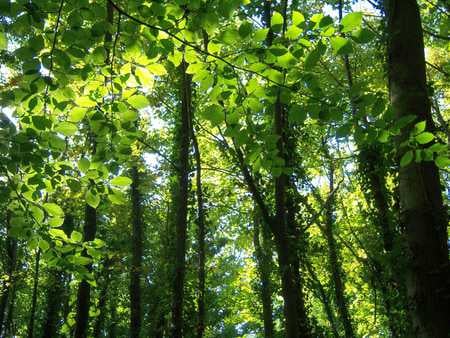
157	69
92	198
442	162
424	138
3	41
351	21
138	102
121	181
341	45
276	22
214	113
53	209
406	158
66	128
297	18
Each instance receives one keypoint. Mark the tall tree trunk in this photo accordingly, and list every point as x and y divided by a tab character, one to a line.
84	288
136	259
181	199
201	234
323	296
55	292
10	264
34	295
263	256
421	207
102	299
284	225
334	260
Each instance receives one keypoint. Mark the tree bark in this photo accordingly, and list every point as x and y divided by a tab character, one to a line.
421	207
84	288
7	289
136	259
181	200
34	296
102	299
264	260
334	260
201	234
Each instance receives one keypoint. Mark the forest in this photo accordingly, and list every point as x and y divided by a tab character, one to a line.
224	168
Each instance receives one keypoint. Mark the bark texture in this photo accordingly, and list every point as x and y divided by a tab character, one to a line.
422	213
181	200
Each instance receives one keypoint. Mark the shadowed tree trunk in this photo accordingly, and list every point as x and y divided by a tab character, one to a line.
55	292
334	259
102	299
181	199
201	233
84	288
136	258
263	256
10	265
34	295
421	207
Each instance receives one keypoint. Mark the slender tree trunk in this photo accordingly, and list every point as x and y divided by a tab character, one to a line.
323	296
7	289
136	259
102	299
34	295
264	260
181	198
84	288
421	207
55	292
334	261
201	234
284	225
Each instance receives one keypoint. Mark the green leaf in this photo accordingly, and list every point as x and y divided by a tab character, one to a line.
77	114
297	18
341	45
245	29
76	236
424	138
384	136
53	209
351	21
260	34
406	158
84	164
55	222
442	162
3	41
276	22
214	113
81	260
121	181
297	114
363	35
138	101
157	69
58	233
293	32
66	128
43	244
84	101
314	56
129	115
419	127
92	199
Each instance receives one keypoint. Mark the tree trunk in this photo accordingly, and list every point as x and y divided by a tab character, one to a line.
102	298
84	288
421	208
55	292
136	259
334	260
34	295
201	234
263	256
7	289
181	200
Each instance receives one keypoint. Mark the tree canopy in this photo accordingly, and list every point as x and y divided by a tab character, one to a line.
224	168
